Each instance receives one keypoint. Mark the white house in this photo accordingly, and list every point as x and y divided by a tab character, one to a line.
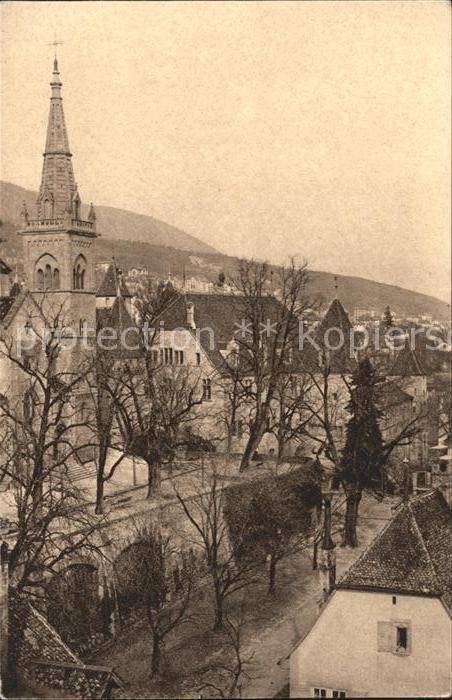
386	629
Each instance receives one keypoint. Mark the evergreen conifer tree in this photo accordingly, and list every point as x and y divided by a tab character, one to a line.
388	321
363	456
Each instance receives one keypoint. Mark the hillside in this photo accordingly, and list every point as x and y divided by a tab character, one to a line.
160	259
115	223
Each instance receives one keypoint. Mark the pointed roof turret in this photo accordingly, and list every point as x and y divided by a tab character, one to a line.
406	363
335	337
91	213
57	182
111	286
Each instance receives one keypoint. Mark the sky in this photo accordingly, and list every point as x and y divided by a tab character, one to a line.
318	129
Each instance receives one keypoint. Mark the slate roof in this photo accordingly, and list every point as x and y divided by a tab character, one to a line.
107	286
118	318
222	313
412	554
336	335
406	364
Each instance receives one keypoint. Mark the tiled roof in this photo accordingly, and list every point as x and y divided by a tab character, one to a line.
406	364
108	284
5	305
412	554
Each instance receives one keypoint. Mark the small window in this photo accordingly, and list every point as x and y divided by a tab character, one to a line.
394	637
179	357
402	638
56	278
168	354
198	358
206	389
328	693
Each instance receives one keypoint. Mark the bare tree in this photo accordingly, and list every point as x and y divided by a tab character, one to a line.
143	582
289	418
228	574
153	409
105	391
43	438
229	675
270	305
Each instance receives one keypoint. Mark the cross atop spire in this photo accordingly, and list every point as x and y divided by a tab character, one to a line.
55	43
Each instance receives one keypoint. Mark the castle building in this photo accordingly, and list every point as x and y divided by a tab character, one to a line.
58	243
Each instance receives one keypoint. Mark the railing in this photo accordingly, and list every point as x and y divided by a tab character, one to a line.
59	223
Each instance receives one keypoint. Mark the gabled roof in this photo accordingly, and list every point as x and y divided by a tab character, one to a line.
412	554
406	364
108	284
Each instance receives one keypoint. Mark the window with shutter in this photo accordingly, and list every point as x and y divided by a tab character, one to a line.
394	637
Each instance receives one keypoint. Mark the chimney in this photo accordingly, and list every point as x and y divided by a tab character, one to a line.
190	314
327	564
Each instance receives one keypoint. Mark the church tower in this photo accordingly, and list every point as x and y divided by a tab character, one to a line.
58	244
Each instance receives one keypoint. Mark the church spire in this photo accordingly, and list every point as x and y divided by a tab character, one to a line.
57	182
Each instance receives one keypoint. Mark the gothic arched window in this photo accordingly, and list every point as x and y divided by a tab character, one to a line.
39	279
47	273
48	209
48	277
78	274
